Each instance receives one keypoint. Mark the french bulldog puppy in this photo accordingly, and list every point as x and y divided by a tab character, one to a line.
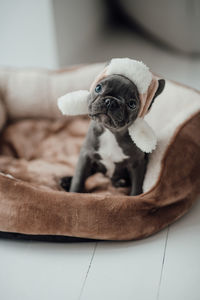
114	104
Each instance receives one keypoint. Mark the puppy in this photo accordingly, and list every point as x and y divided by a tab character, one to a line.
114	105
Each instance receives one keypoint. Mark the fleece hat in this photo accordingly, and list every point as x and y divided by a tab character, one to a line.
76	103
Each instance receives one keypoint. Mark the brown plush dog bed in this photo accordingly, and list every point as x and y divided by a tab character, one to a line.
38	147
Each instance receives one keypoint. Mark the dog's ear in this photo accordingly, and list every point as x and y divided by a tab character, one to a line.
161	85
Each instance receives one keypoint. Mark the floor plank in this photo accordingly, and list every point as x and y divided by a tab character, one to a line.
36	270
126	270
181	271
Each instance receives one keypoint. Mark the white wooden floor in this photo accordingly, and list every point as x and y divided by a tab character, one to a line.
165	266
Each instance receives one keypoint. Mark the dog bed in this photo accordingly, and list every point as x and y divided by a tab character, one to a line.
38	146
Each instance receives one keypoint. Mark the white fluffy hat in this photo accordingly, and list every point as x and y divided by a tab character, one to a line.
138	73
76	103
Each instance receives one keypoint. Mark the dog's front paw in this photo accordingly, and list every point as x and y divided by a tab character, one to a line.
65	182
121	183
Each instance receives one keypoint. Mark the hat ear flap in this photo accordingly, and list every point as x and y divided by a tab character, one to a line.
143	135
75	103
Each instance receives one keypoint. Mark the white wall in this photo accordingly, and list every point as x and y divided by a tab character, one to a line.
79	24
49	33
27	34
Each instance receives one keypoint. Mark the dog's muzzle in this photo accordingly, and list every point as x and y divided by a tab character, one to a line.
108	108
111	104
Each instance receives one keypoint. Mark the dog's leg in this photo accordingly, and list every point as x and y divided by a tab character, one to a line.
137	178
82	172
65	182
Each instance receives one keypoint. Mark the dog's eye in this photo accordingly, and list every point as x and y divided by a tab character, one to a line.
98	88
132	104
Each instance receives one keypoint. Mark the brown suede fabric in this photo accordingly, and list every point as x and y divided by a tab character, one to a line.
38	152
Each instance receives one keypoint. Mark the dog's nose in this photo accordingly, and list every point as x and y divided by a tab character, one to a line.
107	102
111	103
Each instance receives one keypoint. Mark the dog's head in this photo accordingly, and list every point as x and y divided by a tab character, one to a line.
115	102
119	98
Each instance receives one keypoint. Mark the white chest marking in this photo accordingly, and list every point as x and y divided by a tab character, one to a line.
110	152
